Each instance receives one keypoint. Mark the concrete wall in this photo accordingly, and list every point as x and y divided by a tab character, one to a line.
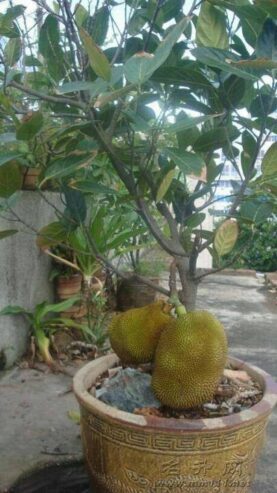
24	273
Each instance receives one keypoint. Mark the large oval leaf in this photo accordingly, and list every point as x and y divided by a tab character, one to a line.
98	61
51	235
10	179
211	28
165	184
226	236
7	232
66	167
6	157
269	163
31	124
12	51
188	162
142	65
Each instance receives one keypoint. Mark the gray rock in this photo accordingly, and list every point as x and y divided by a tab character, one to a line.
127	390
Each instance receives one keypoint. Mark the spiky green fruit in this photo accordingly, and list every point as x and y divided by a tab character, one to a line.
189	360
134	334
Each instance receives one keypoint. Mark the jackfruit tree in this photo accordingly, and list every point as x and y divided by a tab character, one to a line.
144	103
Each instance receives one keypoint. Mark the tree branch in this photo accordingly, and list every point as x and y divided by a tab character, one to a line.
109	264
46	97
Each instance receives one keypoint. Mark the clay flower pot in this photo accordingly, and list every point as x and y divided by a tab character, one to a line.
68	286
128	453
30	178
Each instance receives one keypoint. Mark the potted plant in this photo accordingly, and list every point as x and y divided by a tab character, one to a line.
178	95
129	452
44	324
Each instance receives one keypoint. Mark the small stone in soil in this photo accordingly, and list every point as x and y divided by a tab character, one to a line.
128	390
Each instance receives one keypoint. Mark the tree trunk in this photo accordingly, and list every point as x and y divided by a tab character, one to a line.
189	285
188	295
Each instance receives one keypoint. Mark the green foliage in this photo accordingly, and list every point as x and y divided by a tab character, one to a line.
211	28
226	236
135	129
98	61
260	247
30	126
10	179
43	323
7	232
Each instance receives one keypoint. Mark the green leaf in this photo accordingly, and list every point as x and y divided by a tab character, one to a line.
88	186
98	61
263	105
195	220
75	86
233	90
13	310
51	235
188	162
269	6
267	41
137	21
211	140
81	15
255	211
74	416
226	237
49	36
142	65
14	12
171	8
269	162
6	157
32	61
59	307
165	184
76	208
185	122
10	179
49	47
248	151
12	51
8	28
187	137
66	167
8	232
30	126
260	64
222	60
97	25
211	27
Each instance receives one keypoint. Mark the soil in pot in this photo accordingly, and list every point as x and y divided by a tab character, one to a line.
133	293
130	390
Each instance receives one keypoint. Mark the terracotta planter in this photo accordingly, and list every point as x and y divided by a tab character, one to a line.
68	286
30	178
128	453
133	293
75	311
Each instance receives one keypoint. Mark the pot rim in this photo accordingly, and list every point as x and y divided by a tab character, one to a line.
86	377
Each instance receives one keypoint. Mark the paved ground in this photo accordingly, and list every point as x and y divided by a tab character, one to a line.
35	428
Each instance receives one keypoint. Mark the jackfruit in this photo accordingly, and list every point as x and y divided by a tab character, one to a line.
134	334
189	360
